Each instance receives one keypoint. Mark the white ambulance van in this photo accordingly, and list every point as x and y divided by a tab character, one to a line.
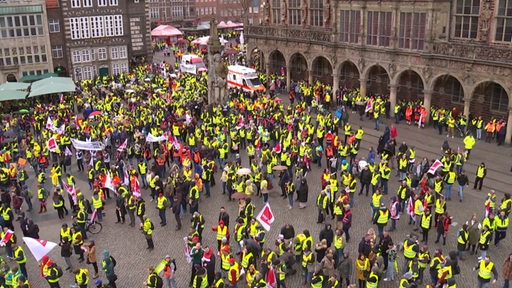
245	78
192	64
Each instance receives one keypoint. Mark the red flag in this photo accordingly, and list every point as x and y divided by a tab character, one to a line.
7	237
369	105
277	148
52	144
123	146
266	217
271	278
71	190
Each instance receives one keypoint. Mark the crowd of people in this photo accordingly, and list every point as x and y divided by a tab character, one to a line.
146	133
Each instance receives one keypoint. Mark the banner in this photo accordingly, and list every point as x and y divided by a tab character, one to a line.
123	146
135	186
39	247
89	146
151	138
266	217
435	166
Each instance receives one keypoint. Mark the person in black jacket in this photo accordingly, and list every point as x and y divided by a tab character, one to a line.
176	209
327	234
462	180
365	179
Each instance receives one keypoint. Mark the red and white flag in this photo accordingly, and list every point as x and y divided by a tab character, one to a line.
39	247
135	187
271	278
369	105
6	237
52	144
71	190
266	217
435	166
123	146
109	183
68	152
49	124
277	148
126	178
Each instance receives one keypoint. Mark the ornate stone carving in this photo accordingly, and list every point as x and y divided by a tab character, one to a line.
266	12
304	12
284	12
327	14
392	70
467	79
361	63
485	17
427	73
472	51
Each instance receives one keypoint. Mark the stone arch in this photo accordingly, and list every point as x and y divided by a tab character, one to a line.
448	92
349	75
298	67
378	80
409	85
489	99
321	70
277	62
257	60
11	78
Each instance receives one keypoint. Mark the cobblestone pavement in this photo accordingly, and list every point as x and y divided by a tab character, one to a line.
128	245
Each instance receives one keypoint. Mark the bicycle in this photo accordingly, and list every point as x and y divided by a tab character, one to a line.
93	226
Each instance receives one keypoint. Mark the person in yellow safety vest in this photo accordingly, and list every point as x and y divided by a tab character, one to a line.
411	250
248	259
445	273
219	281
81	277
449	179
53	274
481	172
462	240
97	204
20	257
469	142
425	224
161	205
385	174
307	263
506	204
280	272
317	280
381	218
233	273
376	200
407	280
373	279
487	272
502	222
321	202
147	229
418	212
222	232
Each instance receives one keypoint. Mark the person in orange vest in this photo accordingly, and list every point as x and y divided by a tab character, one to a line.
222	232
490	128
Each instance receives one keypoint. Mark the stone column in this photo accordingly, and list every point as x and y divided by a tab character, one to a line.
467	103
508	133
362	86
392	98
267	70
288	78
427	100
310	76
335	83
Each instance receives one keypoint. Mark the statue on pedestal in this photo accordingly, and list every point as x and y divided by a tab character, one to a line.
327	13
284	12
304	12
217	70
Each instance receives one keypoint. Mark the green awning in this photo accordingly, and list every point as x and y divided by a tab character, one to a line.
32	78
52	85
13	91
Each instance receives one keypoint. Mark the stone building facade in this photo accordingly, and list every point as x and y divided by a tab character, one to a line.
447	53
99	37
24	40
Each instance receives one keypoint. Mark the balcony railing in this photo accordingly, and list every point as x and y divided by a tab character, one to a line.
293	33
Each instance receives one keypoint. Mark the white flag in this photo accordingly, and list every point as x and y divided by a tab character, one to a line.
39	247
266	217
109	184
151	138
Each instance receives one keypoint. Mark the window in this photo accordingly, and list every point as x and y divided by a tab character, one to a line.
350	21
54	25
504	21
123	54
276	11
294	16
154	13
379	28
87	3
119	68
84	25
118	25
113	2
109	25
75	28
78	74
88	72
75	3
75	56
57	52
86	55
114	53
466	19
316	13
412	30
102	3
97	29
102	53
499	98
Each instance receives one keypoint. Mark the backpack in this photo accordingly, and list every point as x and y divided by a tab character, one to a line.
159	282
59	271
152	226
88	207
